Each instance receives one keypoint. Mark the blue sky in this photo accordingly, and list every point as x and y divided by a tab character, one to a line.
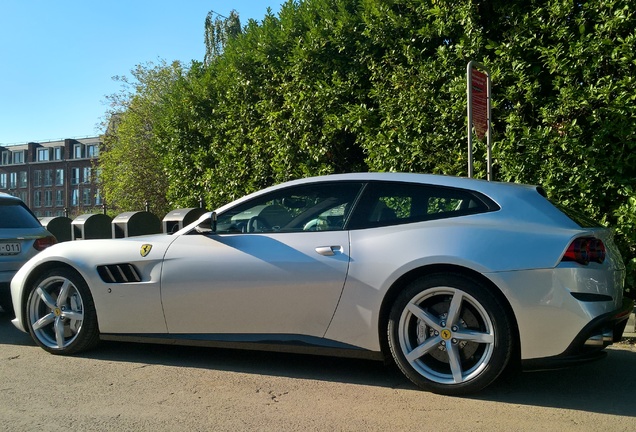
58	57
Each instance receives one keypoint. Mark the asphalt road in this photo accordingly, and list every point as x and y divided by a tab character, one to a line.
136	387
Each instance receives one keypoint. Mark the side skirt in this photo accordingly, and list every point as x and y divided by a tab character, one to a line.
296	344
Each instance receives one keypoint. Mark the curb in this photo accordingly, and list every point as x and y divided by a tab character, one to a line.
630	329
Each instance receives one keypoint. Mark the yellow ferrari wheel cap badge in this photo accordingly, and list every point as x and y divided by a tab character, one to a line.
57	312
145	249
446	334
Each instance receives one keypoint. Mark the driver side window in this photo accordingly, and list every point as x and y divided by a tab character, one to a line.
315	207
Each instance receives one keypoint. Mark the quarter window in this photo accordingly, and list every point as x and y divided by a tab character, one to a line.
393	203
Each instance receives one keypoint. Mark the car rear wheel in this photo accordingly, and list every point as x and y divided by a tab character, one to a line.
61	313
449	334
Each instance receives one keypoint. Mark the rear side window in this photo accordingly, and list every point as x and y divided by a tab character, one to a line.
393	203
14	214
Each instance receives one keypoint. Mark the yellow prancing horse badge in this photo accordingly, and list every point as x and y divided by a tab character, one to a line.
145	249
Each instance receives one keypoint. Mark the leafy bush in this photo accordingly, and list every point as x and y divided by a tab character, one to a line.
330	86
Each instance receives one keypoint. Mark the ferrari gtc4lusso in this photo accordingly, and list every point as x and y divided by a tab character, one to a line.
453	279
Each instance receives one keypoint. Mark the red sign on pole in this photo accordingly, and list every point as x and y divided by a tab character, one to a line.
479	102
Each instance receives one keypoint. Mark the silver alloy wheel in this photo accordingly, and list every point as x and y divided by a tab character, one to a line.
446	335
56	312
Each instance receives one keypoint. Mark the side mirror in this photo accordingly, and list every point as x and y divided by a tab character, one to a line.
207	226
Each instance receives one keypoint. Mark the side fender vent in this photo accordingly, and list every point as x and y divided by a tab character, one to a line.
119	273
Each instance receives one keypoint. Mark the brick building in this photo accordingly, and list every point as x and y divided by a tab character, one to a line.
53	178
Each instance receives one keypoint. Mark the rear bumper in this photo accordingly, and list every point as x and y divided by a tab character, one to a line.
589	343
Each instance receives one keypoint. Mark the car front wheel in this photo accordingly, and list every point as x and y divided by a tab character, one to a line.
449	334
61	314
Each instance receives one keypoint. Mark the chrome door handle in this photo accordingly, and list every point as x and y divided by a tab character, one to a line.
329	250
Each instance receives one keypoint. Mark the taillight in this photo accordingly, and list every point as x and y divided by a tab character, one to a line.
44	242
585	250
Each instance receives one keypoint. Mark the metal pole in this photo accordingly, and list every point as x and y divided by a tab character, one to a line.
469	95
488	132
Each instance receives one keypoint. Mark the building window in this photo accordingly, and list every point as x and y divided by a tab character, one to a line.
13	180
59	177
77	151
75	176
59	198
37	178
58	153
87	175
92	151
18	157
48	198
37	199
48	177
23	179
98	198
23	196
6	158
74	197
86	197
3	181
43	154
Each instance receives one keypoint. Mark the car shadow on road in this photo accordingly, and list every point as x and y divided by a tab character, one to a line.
607	386
9	335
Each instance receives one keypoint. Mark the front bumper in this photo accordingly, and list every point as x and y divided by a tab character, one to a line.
588	345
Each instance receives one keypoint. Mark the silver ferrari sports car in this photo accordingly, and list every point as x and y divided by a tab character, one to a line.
453	279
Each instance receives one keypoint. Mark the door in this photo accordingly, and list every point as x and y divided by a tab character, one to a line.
276	265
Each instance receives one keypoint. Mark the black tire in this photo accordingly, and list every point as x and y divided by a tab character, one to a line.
478	335
60	313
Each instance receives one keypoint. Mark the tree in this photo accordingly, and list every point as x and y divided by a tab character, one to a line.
131	166
218	29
